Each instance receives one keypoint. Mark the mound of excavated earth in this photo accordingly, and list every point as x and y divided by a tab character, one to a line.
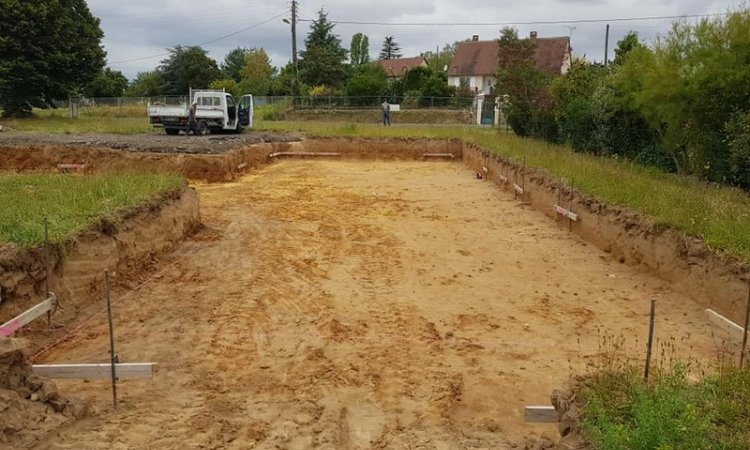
30	405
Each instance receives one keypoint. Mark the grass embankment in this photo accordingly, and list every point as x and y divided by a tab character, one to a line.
718	214
71	202
622	411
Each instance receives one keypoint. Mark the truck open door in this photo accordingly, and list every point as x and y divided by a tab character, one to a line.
246	111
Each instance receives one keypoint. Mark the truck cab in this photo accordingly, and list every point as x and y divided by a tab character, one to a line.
216	112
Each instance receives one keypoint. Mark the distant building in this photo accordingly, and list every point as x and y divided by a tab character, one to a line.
475	63
396	68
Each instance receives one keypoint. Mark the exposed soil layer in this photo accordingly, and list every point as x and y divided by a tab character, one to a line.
153	142
718	281
347	305
77	267
217	167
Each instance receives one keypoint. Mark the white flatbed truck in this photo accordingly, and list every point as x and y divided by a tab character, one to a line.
217	112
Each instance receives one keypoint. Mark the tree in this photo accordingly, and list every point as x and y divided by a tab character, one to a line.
440	61
109	83
391	49
576	114
690	88
284	82
229	85
625	46
146	84
421	85
530	112
49	48
185	68
322	61
233	63
256	73
360	50
367	85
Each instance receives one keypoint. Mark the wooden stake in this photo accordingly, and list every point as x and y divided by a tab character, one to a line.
650	339
559	197
744	335
46	268
113	355
570	220
523	180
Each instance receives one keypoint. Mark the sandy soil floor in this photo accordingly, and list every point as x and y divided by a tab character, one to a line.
345	305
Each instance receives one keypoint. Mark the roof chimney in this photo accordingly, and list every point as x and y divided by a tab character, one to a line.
475	38
532	35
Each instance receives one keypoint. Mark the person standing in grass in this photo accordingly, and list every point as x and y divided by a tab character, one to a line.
386	113
192	121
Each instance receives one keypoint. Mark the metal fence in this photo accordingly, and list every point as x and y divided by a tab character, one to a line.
302	103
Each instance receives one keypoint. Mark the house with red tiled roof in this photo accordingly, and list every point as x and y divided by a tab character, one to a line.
475	63
398	67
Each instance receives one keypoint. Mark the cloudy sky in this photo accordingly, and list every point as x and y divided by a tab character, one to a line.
137	32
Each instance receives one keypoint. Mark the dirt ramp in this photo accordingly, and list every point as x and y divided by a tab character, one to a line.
30	405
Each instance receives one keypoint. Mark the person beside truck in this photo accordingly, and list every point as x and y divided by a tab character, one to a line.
192	121
210	111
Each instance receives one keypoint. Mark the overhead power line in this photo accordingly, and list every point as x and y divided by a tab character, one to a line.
536	22
234	33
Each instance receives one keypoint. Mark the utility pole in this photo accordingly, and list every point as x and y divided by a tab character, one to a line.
606	46
570	28
293	23
294	37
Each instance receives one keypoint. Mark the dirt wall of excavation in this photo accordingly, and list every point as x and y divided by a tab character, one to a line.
217	167
717	281
77	267
206	167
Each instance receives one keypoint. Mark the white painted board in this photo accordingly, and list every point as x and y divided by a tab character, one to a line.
123	371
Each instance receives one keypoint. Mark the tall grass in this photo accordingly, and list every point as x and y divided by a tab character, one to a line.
622	411
70	202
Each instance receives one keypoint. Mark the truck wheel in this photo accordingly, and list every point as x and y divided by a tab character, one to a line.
202	128
172	131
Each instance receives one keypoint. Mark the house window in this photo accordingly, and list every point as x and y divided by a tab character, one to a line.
464	82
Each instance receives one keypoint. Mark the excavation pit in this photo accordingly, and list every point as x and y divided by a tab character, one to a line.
360	302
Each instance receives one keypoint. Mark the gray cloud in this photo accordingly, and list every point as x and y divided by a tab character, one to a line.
139	28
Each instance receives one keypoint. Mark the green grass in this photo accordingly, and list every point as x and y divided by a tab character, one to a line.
103	119
622	411
71	202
